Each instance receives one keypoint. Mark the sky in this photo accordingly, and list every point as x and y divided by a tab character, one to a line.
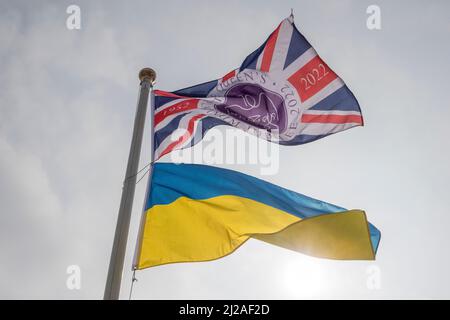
67	103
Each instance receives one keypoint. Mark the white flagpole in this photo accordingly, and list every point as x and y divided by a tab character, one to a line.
112	288
137	250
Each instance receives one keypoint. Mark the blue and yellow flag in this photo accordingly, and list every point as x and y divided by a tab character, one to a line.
200	213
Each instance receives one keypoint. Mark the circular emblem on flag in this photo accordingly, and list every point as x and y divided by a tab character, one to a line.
256	102
255	105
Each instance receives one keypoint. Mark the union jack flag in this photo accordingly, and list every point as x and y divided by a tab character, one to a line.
283	92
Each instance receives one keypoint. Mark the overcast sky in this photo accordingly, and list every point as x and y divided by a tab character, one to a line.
67	103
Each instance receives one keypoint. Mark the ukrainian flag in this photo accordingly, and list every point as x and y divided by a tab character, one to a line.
200	213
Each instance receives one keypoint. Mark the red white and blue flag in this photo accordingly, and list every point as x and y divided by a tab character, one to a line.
283	92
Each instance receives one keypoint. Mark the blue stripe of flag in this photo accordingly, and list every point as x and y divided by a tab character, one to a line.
340	100
297	47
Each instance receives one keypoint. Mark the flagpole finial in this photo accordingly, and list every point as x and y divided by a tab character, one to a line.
292	15
147	74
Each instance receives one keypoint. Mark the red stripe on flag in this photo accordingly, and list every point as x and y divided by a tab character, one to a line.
268	50
184	137
331	118
166	94
229	75
311	78
176	108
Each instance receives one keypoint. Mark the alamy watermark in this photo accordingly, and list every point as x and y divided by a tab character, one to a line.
373	281
229	146
73	21
73	281
373	21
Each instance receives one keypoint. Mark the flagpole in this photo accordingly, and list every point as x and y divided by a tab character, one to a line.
137	249
147	77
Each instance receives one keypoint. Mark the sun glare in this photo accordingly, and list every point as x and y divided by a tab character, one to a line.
304	278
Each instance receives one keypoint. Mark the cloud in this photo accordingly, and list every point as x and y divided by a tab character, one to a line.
62	136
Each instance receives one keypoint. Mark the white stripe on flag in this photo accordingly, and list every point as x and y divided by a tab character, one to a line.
298	63
184	122
325	92
167	120
316	129
281	46
331	112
